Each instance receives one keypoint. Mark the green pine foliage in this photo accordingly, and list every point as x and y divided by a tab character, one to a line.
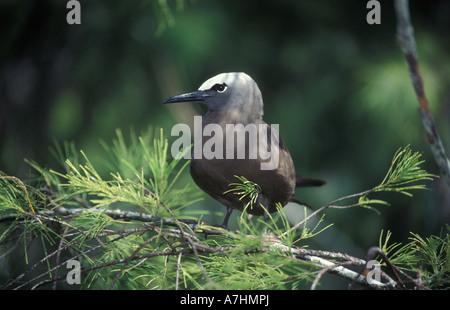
128	230
427	257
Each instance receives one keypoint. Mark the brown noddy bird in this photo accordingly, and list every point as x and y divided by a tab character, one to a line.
234	98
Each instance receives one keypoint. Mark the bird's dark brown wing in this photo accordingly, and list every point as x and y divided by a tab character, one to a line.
215	175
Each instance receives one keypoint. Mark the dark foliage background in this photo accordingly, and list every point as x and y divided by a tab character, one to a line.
338	87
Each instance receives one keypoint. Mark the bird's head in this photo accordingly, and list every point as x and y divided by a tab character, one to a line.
234	92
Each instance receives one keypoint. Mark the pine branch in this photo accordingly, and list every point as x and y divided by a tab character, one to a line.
270	243
91	220
402	177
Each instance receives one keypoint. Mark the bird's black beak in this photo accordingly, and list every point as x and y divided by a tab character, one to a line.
198	96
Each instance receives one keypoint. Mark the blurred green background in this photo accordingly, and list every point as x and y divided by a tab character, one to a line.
338	88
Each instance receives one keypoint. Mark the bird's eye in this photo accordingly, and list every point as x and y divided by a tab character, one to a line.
220	88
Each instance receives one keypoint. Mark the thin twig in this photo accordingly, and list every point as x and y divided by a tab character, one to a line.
59	251
330	205
405	37
177	276
200	265
129	259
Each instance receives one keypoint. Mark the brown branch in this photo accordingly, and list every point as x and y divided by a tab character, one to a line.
405	37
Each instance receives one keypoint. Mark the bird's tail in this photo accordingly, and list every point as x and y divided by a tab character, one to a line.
302	181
